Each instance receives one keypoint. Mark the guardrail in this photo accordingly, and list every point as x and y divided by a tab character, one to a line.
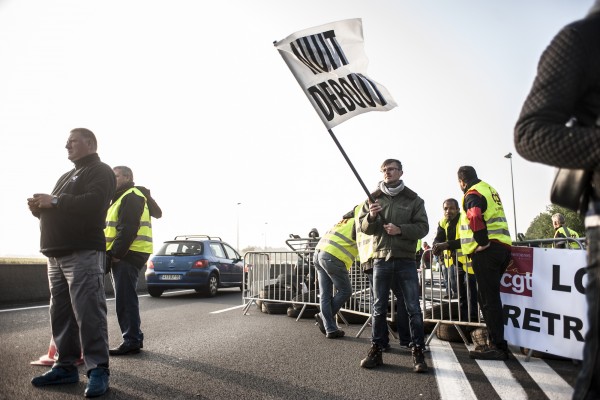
22	284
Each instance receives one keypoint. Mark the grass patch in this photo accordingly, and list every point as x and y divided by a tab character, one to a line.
22	260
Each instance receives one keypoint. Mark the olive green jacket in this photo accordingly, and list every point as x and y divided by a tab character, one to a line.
405	210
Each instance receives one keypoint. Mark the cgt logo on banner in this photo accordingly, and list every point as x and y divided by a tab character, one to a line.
544	302
329	63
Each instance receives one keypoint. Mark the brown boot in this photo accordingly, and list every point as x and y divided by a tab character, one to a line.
373	358
419	359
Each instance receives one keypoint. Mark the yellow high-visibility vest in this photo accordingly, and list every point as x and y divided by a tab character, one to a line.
143	240
449	260
568	233
494	217
339	243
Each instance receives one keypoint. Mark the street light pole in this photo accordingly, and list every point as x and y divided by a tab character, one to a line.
238	226
266	235
512	182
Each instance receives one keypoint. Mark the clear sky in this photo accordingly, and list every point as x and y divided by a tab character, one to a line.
194	97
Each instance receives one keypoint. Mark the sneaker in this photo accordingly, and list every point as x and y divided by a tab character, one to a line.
485	352
57	376
373	358
124	349
97	382
335	334
386	347
320	323
406	346
418	360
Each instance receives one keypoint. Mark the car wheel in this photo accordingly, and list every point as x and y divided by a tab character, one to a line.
213	285
155	292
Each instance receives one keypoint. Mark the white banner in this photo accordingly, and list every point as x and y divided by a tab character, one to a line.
544	301
330	64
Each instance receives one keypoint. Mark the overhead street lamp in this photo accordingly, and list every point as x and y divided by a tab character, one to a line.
512	182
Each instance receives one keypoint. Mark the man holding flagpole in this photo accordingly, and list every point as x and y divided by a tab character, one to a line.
396	219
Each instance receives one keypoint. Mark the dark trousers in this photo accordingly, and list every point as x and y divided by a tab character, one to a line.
489	265
467	294
125	279
402	320
588	381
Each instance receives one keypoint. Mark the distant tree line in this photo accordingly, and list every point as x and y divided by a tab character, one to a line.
541	226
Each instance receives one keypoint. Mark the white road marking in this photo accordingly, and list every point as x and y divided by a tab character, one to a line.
502	379
450	377
228	309
551	383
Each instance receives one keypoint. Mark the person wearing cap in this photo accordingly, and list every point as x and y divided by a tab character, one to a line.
334	255
396	219
567	88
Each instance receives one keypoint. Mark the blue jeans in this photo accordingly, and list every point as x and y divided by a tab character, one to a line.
332	272
588	381
400	276
125	278
451	287
402	322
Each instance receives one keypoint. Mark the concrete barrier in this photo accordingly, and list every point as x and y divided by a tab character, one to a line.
22	284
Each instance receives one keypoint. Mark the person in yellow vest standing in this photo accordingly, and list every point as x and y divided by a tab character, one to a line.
128	235
561	231
334	255
485	239
447	245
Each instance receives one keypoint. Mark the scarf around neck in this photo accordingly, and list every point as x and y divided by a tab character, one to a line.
391	191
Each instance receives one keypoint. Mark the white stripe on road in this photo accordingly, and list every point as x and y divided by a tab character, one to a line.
502	380
227	309
551	383
450	377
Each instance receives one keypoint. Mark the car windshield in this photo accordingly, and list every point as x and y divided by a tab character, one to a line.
184	248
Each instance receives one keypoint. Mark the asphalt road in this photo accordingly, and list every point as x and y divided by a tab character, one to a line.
205	348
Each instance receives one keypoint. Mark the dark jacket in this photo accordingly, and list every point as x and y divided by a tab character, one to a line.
567	86
130	212
84	195
405	210
452	237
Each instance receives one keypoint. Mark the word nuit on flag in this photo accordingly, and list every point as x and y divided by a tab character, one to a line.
329	63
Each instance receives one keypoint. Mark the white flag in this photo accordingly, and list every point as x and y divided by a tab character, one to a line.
330	64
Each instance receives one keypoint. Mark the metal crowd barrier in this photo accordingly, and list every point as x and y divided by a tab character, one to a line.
581	242
439	305
288	278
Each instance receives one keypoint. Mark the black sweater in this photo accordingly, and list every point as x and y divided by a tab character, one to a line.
84	195
567	86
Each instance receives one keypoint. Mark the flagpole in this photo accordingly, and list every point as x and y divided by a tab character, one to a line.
337	143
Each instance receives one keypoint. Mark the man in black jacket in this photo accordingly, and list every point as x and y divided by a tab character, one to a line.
129	244
72	237
559	125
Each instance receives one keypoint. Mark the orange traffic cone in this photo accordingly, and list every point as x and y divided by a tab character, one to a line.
47	359
50	358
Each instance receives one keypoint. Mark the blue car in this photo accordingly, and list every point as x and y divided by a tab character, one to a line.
199	262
